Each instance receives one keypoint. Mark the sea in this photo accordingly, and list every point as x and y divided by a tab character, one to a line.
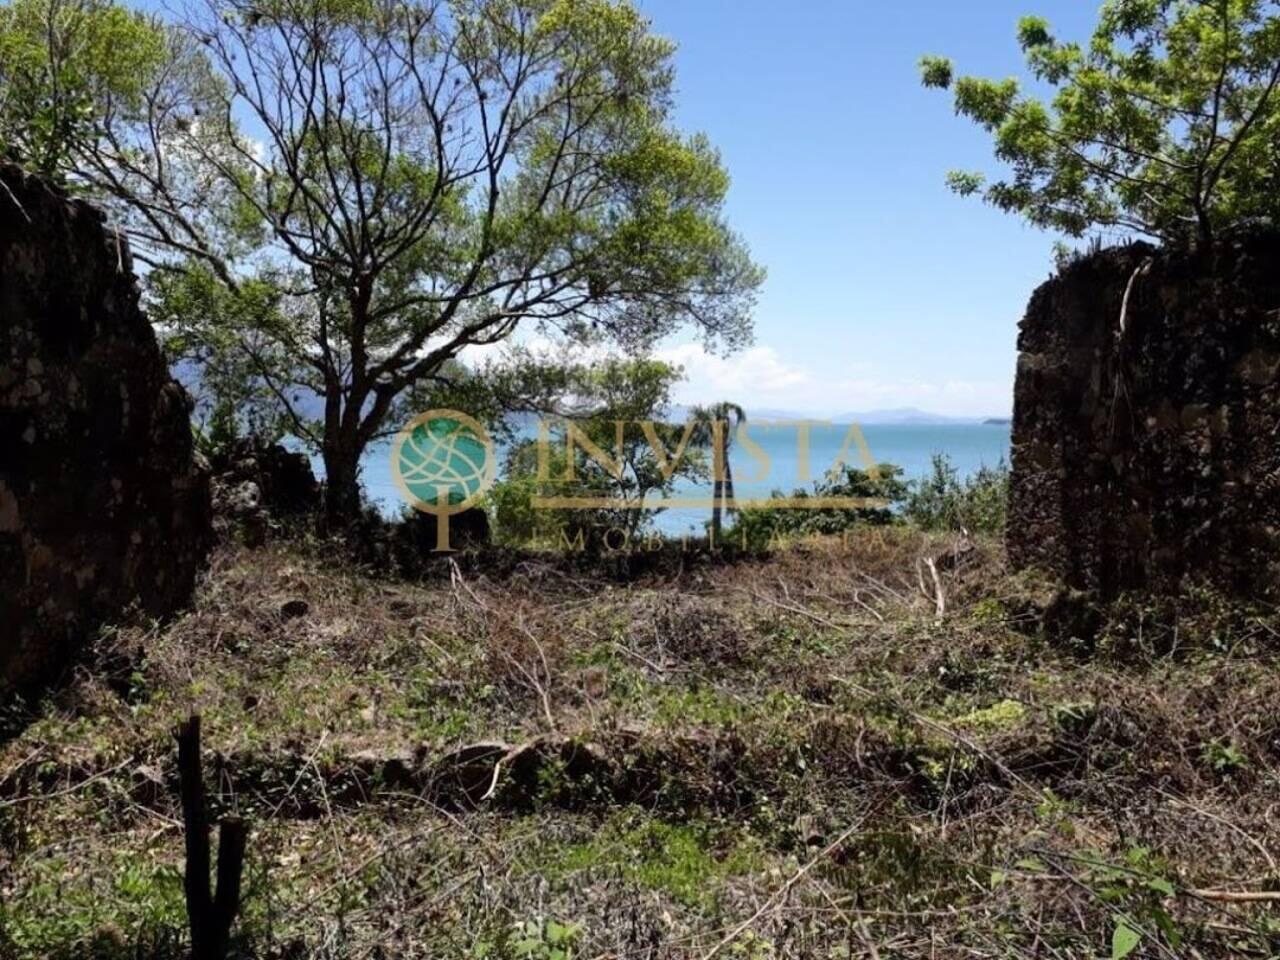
910	446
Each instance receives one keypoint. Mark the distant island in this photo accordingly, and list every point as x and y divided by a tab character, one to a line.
998	421
902	416
897	416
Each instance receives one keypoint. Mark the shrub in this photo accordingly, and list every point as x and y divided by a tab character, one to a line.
760	526
945	501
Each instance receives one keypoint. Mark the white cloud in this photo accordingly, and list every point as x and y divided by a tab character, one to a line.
760	377
754	371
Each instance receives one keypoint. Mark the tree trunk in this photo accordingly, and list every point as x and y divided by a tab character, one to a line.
728	483
722	491
721	495
717	499
1205	231
341	483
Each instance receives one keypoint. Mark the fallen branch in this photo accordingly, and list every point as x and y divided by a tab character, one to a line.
67	791
1143	269
1237	896
510	755
792	608
939	596
15	201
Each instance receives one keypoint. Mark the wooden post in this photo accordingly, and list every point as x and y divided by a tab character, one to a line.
210	914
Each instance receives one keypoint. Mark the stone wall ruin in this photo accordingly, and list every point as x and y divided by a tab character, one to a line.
1146	436
103	503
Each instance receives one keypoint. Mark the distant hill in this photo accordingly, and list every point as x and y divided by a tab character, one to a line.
312	407
889	417
903	415
900	416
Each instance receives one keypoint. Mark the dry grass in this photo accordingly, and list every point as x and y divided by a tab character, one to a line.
784	757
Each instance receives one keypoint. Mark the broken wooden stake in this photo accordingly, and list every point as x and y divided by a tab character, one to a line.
210	913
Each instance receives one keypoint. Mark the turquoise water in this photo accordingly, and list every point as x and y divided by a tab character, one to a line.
910	446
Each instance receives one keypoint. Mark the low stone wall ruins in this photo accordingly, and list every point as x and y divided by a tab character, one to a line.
1146	437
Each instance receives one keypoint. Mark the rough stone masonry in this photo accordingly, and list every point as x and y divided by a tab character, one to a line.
103	504
1146	436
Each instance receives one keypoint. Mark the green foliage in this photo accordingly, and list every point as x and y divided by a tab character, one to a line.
943	501
60	909
533	939
1005	715
516	521
1165	123
551	940
940	501
618	410
63	64
1224	757
209	330
1124	939
422	178
682	860
760	527
1137	887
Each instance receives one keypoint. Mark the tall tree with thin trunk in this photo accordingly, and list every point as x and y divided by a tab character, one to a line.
718	424
355	191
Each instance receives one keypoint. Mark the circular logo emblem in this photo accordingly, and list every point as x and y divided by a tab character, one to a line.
443	463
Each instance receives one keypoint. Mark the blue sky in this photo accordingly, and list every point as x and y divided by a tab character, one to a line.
884	289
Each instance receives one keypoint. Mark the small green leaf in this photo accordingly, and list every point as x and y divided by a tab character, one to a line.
1138	855
997	878
561	932
1124	940
1167	927
1161	886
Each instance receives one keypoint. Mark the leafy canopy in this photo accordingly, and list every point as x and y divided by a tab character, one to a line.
381	184
64	63
612	446
1165	124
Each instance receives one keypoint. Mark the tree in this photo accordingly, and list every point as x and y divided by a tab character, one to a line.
1166	124
215	351
611	448
61	61
411	178
718	423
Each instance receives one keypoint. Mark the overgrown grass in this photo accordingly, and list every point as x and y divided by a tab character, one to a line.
790	755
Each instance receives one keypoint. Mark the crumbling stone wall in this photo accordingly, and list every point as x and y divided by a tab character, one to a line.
256	485
1146	448
102	501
